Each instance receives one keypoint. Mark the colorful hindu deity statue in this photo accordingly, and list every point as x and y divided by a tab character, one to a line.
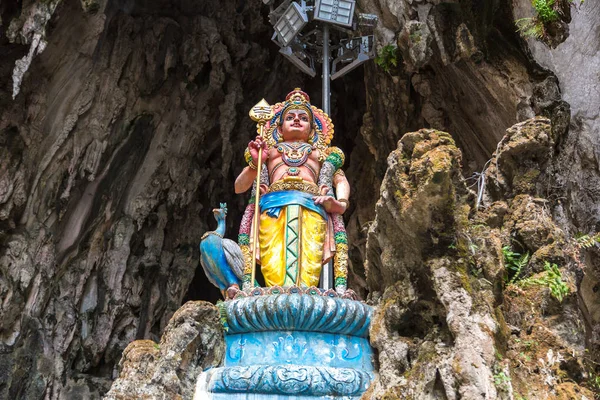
303	194
292	339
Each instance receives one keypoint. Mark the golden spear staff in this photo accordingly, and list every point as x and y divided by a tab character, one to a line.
260	113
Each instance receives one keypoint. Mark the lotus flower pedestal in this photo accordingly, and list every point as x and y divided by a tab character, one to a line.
292	344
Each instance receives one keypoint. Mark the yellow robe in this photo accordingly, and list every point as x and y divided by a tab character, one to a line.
293	246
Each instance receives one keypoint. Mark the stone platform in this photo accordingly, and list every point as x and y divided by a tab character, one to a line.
292	344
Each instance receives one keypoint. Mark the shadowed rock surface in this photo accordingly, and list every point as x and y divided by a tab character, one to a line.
192	342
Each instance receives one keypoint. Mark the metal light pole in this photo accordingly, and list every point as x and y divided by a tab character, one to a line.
326	77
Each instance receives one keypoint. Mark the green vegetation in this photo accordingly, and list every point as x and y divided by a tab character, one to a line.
514	263
530	344
530	28
525	356
552	279
498	355
536	27
587	241
593	370
387	57
595	382
544	10
502	381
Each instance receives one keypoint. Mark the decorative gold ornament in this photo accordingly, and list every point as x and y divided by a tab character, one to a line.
295	183
247	259
261	112
211	233
345	201
340	261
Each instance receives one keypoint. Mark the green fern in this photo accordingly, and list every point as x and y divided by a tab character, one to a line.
587	241
536	27
530	28
387	57
514	263
552	279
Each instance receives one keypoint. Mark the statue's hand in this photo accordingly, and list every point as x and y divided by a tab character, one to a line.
330	204
263	189
256	144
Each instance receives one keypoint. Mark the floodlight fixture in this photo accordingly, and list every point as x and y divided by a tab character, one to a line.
339	12
291	23
295	57
276	13
355	51
366	22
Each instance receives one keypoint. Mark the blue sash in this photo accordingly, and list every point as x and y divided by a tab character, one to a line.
274	201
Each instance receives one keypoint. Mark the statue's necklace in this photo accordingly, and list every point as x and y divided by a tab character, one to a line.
294	155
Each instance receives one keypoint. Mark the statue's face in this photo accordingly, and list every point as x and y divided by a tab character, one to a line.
296	126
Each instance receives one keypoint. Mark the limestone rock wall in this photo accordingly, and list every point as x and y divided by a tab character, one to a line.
456	319
192	342
433	331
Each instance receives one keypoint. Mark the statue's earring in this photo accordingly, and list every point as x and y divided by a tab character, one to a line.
311	137
277	134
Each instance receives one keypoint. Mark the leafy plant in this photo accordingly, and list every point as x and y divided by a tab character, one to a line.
552	279
514	263
387	57
524	356
498	355
501	380
595	382
530	28
587	241
536	27
545	11
529	344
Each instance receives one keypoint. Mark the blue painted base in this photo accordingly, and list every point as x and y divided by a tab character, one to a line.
292	346
298	348
253	396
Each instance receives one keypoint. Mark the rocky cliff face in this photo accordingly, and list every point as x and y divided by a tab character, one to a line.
120	123
458	316
191	342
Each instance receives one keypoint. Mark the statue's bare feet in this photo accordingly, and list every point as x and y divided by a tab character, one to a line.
232	291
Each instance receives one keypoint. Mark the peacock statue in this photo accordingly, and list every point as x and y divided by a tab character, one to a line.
222	259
